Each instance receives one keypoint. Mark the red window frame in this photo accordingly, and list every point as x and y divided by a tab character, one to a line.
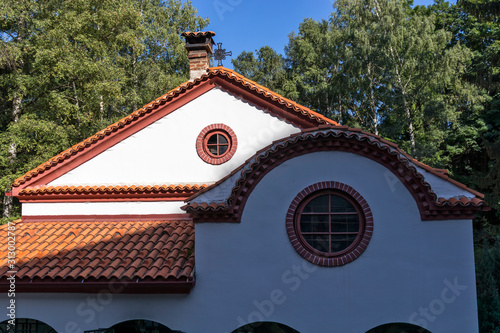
357	211
202	145
330	258
217	145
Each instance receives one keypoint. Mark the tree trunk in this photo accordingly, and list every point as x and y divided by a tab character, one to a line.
396	59
8	201
134	75
373	102
101	109
411	130
75	96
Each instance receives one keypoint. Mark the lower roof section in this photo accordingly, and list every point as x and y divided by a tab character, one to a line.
118	256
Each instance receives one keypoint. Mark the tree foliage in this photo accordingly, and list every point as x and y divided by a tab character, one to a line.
267	68
69	68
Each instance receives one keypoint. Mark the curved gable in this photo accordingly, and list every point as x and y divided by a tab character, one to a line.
242	181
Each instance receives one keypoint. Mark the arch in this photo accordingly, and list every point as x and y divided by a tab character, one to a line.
400	166
398	328
26	325
265	327
140	326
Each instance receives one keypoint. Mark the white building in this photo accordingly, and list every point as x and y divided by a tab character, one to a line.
222	204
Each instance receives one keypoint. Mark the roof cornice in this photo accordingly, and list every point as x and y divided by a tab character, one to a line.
90	193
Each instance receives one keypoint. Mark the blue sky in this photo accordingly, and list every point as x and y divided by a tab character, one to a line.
247	25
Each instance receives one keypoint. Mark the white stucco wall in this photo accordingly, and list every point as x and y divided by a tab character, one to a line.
165	151
412	271
102	208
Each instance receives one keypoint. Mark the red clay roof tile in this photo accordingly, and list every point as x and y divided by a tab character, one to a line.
44	257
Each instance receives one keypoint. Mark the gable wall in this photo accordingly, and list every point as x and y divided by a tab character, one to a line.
165	151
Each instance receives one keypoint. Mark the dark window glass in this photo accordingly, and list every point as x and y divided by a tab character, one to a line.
329	222
217	144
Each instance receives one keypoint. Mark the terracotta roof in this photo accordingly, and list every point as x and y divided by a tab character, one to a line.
335	138
160	253
197	33
162	191
292	108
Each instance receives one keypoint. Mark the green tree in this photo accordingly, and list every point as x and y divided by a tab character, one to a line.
75	66
266	68
160	62
418	77
15	58
313	61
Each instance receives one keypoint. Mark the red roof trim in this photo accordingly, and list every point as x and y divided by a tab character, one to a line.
108	193
174	99
251	91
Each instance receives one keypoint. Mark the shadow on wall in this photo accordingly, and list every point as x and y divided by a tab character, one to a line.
265	327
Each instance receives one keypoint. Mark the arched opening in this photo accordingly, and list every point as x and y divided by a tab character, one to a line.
265	327
140	326
25	325
398	328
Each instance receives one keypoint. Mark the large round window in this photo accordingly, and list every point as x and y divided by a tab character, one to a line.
216	144
329	224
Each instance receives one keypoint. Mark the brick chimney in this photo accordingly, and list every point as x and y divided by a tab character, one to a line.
200	47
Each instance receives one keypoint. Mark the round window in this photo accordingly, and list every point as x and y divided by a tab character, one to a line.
216	144
329	224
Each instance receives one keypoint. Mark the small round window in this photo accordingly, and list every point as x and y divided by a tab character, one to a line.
329	224
216	144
